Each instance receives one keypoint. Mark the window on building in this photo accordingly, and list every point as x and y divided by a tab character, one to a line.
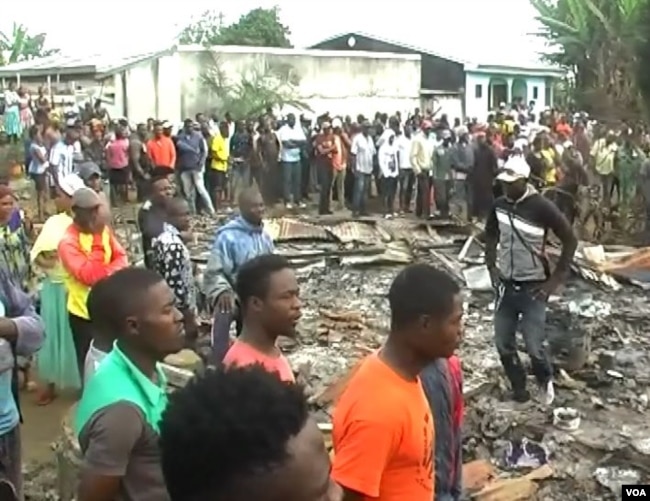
478	91
535	93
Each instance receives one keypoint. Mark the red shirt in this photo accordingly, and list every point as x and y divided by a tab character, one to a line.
162	152
242	354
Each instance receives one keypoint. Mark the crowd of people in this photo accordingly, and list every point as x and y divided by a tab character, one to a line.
420	163
102	326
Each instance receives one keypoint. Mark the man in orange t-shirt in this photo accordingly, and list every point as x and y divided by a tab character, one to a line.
161	150
383	428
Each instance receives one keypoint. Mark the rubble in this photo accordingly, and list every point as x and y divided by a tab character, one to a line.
596	329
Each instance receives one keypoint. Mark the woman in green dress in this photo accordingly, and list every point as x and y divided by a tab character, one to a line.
56	361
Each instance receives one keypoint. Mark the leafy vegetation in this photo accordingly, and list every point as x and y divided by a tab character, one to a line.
258	27
20	45
605	45
256	89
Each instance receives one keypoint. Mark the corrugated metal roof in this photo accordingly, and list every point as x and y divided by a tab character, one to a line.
62	64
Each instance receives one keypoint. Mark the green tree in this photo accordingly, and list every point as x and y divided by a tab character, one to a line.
256	89
598	42
257	28
19	45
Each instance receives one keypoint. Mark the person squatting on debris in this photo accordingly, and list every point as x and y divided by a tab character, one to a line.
117	419
442	381
383	430
21	333
269	447
235	243
519	223
269	302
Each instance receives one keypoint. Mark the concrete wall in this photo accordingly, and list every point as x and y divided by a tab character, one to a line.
444	104
479	107
172	87
328	81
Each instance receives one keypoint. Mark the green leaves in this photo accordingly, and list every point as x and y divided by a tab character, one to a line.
600	42
258	87
19	45
258	27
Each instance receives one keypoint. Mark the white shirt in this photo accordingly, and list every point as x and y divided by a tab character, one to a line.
287	133
61	158
404	152
387	158
385	136
363	148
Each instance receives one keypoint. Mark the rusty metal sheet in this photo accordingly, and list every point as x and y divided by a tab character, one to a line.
286	229
354	231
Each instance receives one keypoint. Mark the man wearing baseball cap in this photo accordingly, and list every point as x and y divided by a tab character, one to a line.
521	273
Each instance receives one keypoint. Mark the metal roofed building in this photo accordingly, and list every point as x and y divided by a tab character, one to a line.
173	83
461	87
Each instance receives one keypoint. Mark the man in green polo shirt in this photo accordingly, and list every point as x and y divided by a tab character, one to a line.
118	415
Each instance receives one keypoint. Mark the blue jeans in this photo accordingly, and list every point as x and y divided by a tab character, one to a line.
512	301
291	176
359	193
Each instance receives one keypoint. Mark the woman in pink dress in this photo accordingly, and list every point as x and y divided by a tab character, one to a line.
26	115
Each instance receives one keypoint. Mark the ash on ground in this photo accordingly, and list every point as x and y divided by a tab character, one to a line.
597	335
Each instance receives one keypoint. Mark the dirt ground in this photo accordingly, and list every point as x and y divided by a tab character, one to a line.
41	426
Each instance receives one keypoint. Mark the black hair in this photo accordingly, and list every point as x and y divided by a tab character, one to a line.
173	206
246	194
254	276
225	428
118	296
420	289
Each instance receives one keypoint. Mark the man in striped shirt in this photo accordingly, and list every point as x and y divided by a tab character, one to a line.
62	155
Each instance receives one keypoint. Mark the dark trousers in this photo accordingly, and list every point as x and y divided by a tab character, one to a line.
388	192
423	197
325	178
11	468
406	184
442	192
82	335
515	301
221	334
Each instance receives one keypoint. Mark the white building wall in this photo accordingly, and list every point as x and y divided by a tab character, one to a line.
341	83
479	107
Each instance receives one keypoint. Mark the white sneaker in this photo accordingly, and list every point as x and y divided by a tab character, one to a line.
302	205
289	206
548	393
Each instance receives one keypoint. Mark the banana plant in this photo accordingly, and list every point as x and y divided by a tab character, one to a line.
19	45
601	42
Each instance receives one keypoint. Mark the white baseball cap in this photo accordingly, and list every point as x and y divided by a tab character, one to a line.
70	183
515	168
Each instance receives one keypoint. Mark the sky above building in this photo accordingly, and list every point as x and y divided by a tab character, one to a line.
495	31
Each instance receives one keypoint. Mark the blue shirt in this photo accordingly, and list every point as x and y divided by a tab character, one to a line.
9	416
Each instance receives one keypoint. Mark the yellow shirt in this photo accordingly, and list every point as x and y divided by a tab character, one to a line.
219	149
48	241
78	292
550	171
